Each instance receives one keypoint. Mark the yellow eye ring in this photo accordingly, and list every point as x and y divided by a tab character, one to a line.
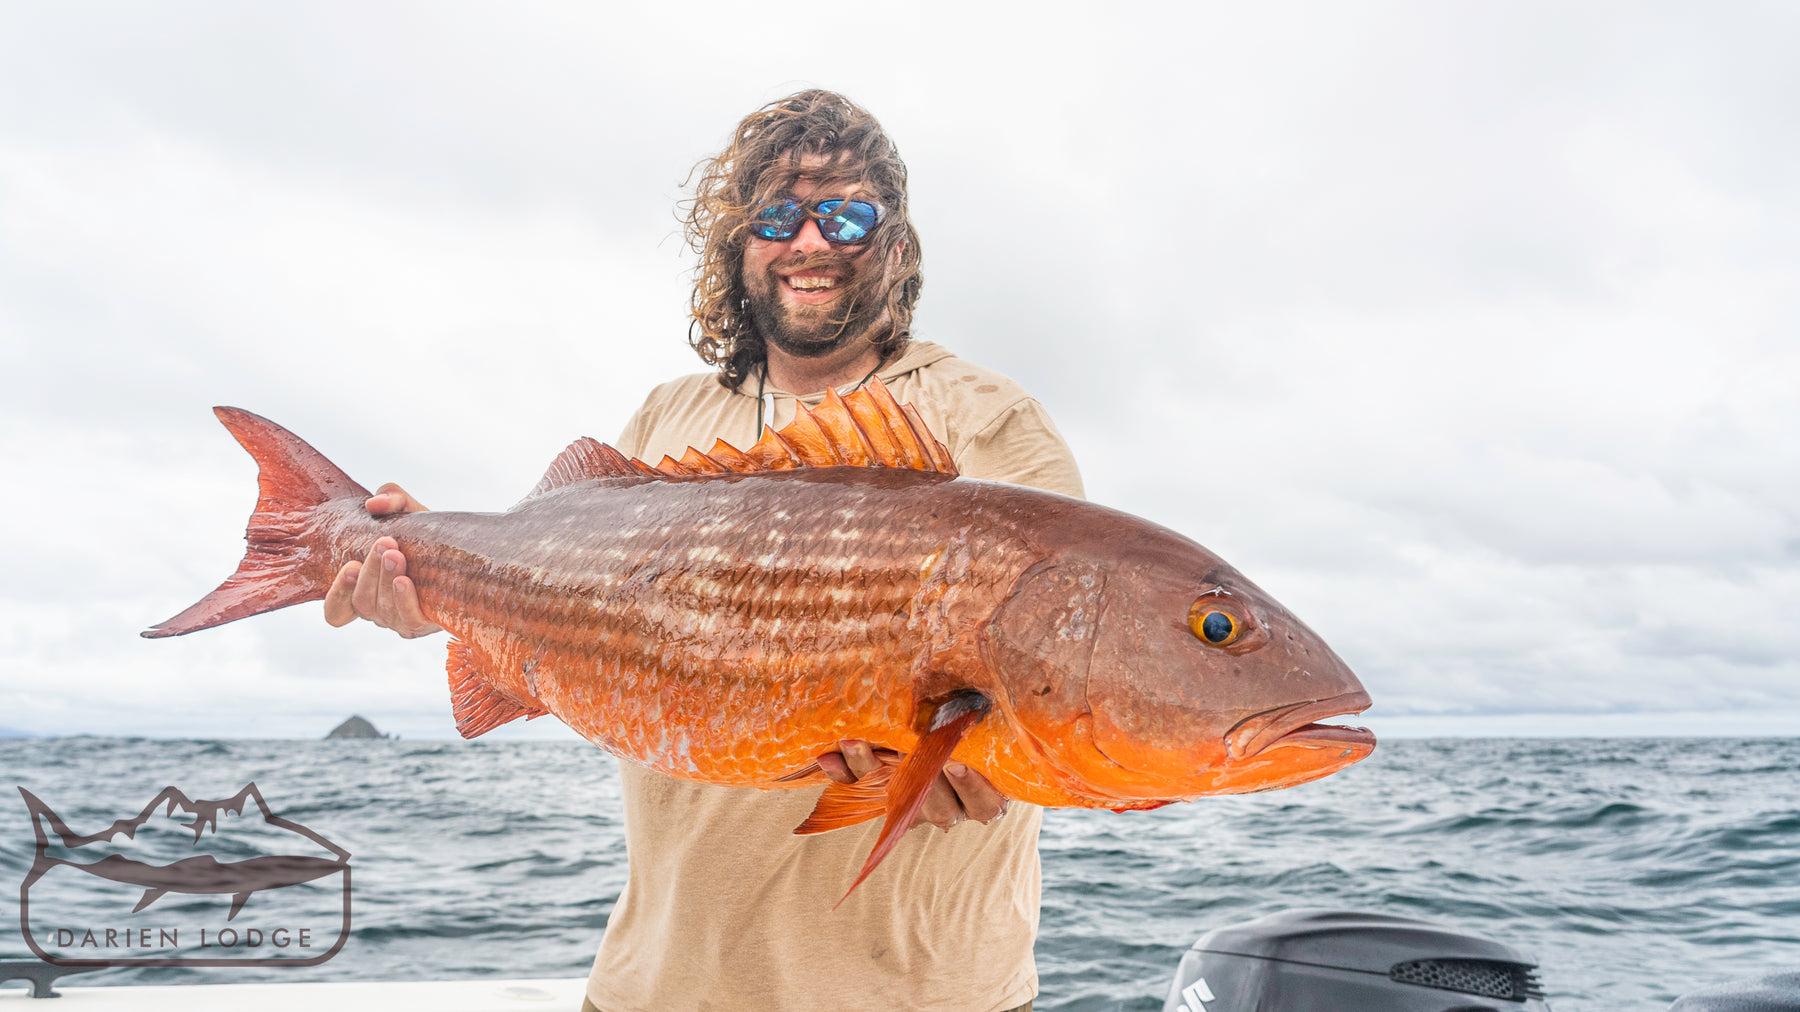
1213	625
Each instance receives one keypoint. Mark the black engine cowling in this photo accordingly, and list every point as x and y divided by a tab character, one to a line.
1776	992
1345	961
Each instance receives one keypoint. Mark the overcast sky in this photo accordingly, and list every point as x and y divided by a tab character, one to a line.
1470	331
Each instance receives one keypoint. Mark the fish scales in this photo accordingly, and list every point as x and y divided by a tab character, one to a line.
731	617
691	624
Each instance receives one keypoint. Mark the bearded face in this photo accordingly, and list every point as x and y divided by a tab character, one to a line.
809	297
811	304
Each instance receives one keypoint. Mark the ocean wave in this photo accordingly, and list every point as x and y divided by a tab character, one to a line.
1603	857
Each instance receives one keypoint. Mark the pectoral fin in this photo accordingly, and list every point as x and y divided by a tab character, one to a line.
237	904
150	896
906	790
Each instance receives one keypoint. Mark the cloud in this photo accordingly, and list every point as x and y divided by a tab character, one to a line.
1466	331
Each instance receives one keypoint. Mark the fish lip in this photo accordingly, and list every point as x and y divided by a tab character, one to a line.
1327	736
1262	731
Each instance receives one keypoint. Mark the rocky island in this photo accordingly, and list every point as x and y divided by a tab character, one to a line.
355	727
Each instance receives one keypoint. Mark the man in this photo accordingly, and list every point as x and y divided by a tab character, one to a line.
809	271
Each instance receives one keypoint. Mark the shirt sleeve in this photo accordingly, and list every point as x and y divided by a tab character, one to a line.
1022	446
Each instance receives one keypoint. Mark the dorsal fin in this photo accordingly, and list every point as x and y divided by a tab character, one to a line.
729	457
585	458
700	463
867	428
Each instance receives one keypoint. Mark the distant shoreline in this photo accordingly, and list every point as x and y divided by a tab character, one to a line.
1669	725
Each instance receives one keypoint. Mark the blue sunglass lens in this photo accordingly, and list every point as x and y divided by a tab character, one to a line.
847	220
778	220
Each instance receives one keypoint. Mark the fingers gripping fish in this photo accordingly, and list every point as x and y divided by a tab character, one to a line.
731	616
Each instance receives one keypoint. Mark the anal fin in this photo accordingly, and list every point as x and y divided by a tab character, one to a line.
906	790
475	702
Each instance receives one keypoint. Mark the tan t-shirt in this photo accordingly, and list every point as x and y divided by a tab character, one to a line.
725	908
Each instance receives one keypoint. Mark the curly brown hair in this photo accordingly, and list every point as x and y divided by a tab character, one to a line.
846	147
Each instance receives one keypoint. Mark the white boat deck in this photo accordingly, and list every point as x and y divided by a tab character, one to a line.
480	995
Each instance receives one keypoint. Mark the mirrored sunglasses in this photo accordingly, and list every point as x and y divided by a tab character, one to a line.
840	221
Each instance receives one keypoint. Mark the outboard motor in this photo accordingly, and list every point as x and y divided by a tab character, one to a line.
1775	992
1343	961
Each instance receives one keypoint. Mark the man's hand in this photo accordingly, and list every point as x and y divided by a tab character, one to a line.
378	588
959	793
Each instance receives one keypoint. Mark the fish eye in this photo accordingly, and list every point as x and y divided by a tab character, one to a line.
1213	624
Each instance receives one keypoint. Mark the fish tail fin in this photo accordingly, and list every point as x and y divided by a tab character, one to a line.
906	791
293	480
44	822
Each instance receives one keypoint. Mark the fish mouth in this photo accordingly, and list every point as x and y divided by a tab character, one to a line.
1294	725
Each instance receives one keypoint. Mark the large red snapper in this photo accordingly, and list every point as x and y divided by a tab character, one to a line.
732	616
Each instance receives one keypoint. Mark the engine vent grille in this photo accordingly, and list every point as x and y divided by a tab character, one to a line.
1490	979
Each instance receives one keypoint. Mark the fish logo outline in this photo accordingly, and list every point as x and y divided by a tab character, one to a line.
200	875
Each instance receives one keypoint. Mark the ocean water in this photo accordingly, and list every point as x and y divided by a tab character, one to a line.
1633	869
